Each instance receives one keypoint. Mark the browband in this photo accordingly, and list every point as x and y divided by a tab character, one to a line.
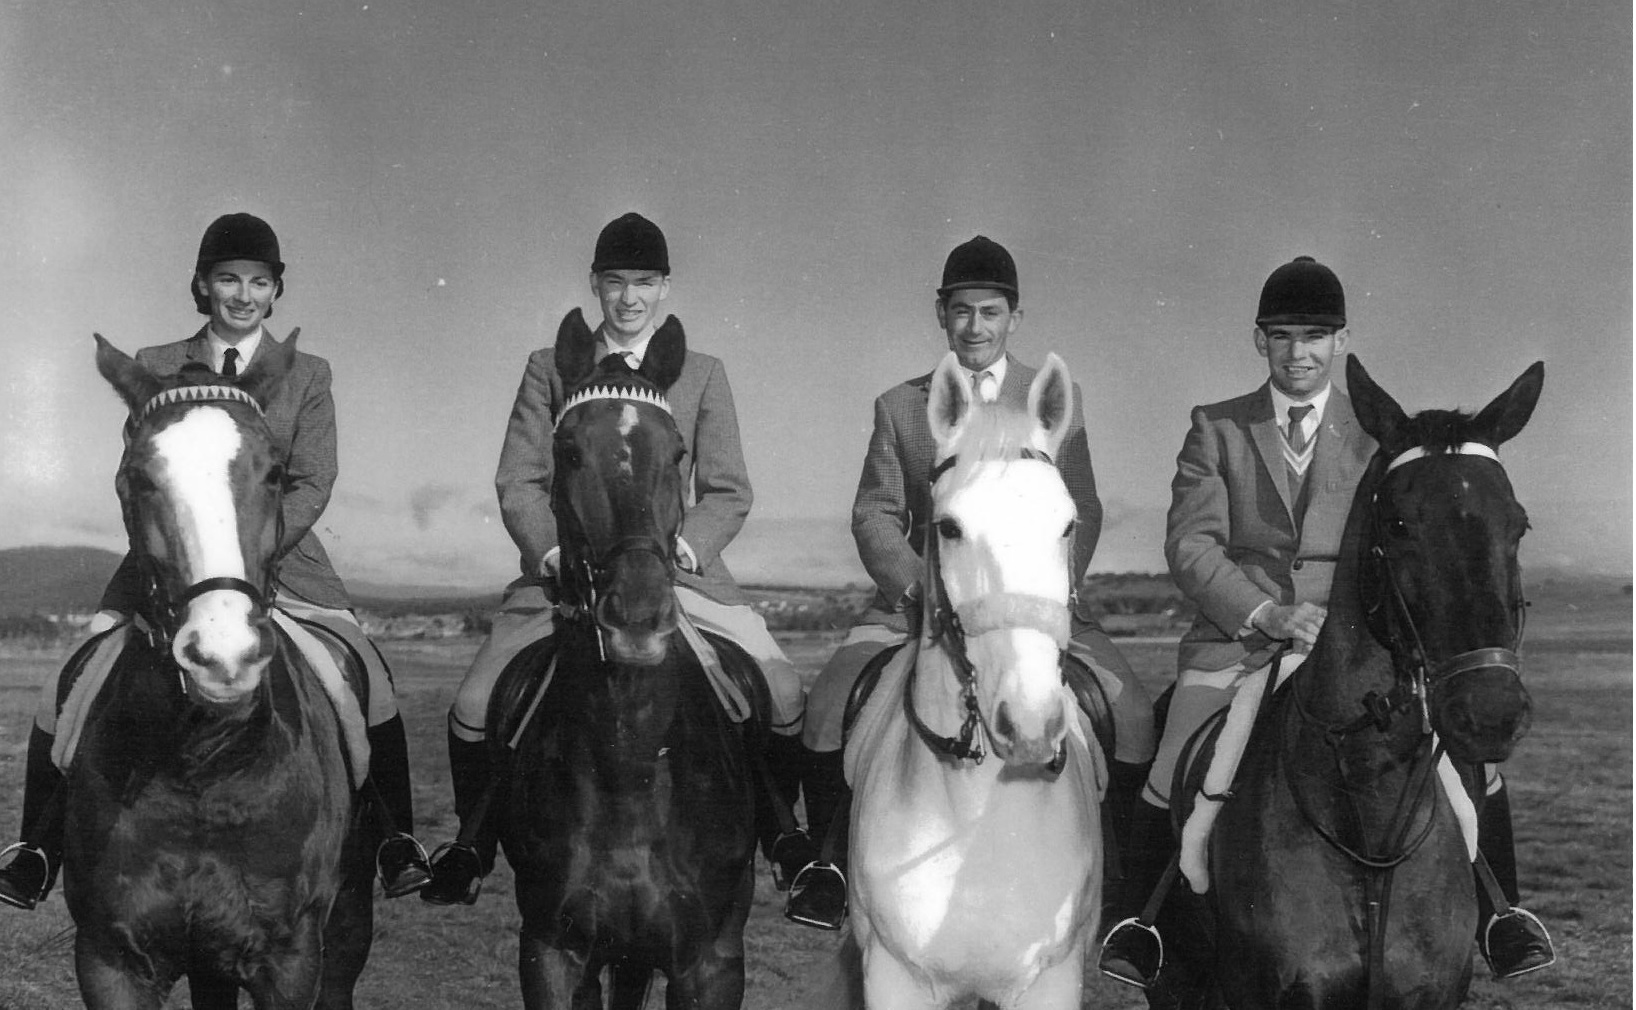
197	394
590	393
1463	449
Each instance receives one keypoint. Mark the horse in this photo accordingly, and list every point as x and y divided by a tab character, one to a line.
1339	875
628	803
974	879
211	829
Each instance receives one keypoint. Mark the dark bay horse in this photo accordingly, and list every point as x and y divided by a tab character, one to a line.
210	815
1339	874
629	809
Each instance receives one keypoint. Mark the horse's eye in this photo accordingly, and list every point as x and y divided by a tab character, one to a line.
948	529
1068	530
570	455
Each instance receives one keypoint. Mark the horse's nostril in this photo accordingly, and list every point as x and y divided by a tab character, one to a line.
1003	726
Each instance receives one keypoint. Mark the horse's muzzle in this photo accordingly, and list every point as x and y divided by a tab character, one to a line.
1481	712
223	648
637	622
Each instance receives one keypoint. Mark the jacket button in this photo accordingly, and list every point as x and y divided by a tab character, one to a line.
1297	564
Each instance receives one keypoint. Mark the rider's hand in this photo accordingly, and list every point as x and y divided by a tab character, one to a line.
551	565
686	560
1300	622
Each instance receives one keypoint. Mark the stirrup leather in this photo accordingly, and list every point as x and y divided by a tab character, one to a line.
25	849
1488	930
1137	924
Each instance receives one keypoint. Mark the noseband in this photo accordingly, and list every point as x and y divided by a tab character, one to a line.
1403	634
951	626
164	611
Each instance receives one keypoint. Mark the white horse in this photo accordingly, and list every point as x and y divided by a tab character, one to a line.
972	878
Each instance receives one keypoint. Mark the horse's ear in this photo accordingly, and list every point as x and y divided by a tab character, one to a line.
1379	414
1500	421
576	349
268	369
666	354
1051	404
948	403
131	379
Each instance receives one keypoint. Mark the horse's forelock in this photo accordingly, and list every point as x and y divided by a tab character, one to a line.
994	433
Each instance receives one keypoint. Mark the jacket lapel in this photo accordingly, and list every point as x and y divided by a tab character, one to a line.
198	346
1334	435
1018	377
1269	445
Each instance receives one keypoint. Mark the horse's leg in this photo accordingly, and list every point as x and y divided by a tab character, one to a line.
716	982
107	983
290	979
549	976
888	984
212	992
628	984
1058	987
347	938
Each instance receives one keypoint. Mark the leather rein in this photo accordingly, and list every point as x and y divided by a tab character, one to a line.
949	626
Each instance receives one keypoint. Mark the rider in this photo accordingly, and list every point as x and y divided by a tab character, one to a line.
1253	543
977	309
236	278
630	278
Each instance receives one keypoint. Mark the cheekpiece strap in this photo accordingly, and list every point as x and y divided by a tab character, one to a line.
197	394
1463	449
599	392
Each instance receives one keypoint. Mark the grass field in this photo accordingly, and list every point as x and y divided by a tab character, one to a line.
1570	781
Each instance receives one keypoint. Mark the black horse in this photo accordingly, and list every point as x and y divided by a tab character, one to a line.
629	811
1339	874
211	829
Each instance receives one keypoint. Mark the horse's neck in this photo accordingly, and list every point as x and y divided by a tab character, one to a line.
623	714
1348	664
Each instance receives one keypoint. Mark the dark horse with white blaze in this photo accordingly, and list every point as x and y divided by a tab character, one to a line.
211	825
629	804
1340	876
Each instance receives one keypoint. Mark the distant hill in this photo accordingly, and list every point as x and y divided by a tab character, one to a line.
53	580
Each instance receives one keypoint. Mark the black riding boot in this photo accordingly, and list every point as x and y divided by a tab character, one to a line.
458	867
400	860
1515	943
785	845
818	892
1125	783
1131	953
27	878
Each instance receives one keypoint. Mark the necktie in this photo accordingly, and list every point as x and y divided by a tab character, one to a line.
230	363
988	387
1296	434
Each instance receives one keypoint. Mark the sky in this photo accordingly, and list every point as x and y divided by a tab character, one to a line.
437	174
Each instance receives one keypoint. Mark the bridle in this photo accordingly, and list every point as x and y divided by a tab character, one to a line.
1402	634
164	612
591	570
950	626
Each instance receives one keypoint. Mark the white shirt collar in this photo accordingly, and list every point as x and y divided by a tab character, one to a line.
997	370
1282	403
246	348
637	347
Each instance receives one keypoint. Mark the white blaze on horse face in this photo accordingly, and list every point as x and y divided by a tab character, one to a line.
217	644
628	420
1013	516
